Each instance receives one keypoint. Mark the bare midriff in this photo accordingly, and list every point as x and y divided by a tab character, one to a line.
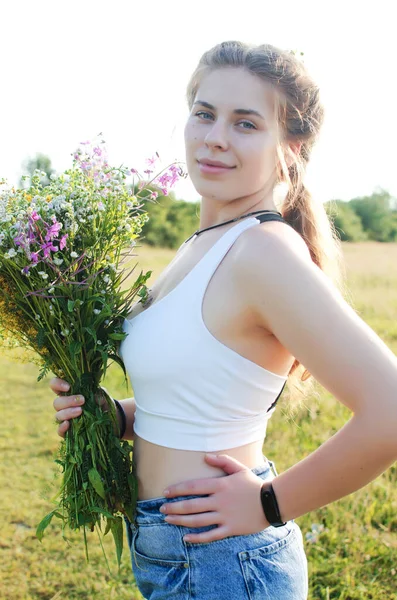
158	466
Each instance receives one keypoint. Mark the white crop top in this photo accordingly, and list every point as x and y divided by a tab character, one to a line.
191	391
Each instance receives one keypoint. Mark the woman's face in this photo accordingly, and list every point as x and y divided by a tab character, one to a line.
245	141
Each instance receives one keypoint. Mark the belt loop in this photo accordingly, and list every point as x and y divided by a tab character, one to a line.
273	468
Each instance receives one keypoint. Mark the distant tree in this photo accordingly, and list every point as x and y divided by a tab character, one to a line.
347	223
171	221
375	212
40	161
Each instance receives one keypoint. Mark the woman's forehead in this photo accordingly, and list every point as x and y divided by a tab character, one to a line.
233	88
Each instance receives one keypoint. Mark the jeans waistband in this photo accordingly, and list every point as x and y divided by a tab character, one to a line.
148	511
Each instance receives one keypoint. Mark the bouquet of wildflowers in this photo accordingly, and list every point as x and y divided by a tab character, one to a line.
61	248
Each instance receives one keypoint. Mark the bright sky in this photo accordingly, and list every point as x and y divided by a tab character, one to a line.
75	68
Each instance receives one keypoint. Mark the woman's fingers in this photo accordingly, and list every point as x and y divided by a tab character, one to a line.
59	385
199	520
63	427
68	413
61	402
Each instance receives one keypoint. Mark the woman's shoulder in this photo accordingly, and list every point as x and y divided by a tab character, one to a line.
267	239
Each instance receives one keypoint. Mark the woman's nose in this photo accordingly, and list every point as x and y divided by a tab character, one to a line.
217	136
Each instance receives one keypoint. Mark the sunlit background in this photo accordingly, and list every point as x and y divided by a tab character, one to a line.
70	70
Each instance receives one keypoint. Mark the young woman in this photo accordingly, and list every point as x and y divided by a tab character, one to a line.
248	299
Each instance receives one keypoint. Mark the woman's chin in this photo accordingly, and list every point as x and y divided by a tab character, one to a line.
213	190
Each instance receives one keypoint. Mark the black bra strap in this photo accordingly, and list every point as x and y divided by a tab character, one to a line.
272	217
276	400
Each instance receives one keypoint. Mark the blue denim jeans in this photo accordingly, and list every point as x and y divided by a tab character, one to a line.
268	565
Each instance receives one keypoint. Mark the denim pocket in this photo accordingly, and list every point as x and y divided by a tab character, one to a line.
159	563
277	569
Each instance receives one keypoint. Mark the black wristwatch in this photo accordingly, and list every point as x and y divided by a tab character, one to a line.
270	506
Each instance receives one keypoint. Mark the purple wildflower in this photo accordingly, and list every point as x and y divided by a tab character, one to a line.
53	230
62	243
47	248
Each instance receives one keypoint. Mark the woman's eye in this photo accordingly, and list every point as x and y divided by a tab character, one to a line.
202	112
252	126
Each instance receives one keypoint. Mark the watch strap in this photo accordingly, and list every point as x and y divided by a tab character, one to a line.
270	505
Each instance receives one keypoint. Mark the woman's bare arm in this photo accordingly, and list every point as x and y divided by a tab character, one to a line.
308	315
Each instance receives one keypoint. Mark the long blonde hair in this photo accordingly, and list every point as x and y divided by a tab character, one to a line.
299	116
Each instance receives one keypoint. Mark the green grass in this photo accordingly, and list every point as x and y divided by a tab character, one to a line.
353	557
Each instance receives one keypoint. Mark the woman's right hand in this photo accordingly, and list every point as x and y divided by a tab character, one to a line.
67	407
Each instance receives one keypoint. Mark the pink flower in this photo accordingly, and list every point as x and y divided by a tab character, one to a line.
62	243
151	161
34	216
48	248
53	230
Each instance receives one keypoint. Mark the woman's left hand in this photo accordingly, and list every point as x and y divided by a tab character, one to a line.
233	503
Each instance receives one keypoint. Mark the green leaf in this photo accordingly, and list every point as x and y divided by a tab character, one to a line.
116	527
96	482
107	528
104	356
102	511
45	522
118	360
91	332
40	338
117	336
71	304
75	348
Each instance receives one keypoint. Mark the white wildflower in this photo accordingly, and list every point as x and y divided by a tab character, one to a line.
43	274
65	332
120	228
51	308
99	343
10	254
103	291
58	261
73	254
107	322
106	279
101	206
51	290
97	311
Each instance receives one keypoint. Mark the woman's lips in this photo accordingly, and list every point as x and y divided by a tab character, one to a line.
212	169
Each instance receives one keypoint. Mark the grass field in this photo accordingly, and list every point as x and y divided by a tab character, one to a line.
351	544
